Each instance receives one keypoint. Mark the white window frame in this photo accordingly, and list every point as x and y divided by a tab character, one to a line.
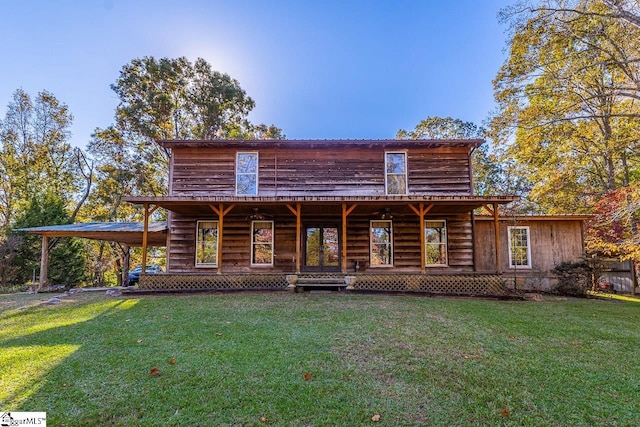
445	243
238	174
372	244
509	239
207	264
387	174
254	243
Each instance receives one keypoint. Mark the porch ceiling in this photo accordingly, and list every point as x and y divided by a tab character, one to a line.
202	204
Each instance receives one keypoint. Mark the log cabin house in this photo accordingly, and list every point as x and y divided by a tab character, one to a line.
371	215
363	214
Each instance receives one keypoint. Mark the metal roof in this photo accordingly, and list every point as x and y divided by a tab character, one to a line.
321	143
125	232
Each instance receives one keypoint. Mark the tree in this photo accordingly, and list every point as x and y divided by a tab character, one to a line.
66	261
36	157
563	114
160	99
490	173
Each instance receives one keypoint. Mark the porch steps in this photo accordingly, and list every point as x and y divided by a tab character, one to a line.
321	283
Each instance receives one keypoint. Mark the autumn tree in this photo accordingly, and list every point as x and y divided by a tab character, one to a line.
567	113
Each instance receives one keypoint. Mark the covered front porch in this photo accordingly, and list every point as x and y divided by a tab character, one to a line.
344	227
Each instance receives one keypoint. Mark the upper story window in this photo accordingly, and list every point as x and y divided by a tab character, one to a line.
381	244
247	174
519	247
207	244
435	241
395	166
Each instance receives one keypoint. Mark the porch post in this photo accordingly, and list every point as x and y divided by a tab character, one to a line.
298	236
220	234
421	211
221	212
496	227
145	238
44	262
298	213
423	255
345	212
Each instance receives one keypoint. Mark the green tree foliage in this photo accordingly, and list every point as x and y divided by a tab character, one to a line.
567	110
66	260
36	161
491	173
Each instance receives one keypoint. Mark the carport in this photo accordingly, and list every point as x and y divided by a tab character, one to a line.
127	233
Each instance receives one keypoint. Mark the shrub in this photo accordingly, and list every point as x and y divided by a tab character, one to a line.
574	278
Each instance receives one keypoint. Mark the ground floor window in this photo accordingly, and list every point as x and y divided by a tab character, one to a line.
207	244
519	247
435	241
261	243
381	246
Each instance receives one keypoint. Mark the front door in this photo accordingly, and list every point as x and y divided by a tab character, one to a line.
321	248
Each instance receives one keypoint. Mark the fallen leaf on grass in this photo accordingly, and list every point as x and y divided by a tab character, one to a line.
307	376
506	412
139	341
512	337
263	419
172	361
154	371
375	418
218	334
165	317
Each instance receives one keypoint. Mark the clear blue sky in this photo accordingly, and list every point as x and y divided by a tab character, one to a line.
317	69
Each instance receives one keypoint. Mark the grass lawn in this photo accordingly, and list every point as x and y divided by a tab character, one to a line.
319	360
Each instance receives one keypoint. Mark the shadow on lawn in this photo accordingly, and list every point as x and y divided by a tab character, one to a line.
38	341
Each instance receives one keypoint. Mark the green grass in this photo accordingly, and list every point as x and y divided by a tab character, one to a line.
240	357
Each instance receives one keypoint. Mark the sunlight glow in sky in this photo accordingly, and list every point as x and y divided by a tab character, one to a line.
329	69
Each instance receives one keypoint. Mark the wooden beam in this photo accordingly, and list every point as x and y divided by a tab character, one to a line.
145	238
297	211
345	213
496	227
421	211
488	208
221	213
44	263
423	249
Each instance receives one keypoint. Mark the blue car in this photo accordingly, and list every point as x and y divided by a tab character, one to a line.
134	275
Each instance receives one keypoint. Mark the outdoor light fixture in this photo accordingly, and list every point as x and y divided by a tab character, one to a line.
386	214
256	215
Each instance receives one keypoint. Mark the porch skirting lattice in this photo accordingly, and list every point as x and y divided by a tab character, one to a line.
195	282
458	284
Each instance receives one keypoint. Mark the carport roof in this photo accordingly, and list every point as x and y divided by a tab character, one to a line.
129	233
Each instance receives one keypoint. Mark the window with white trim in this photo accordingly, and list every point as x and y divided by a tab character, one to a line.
207	244
395	167
381	244
247	173
435	243
261	243
519	247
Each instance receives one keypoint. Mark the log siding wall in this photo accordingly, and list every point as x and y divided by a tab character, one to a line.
236	242
343	171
